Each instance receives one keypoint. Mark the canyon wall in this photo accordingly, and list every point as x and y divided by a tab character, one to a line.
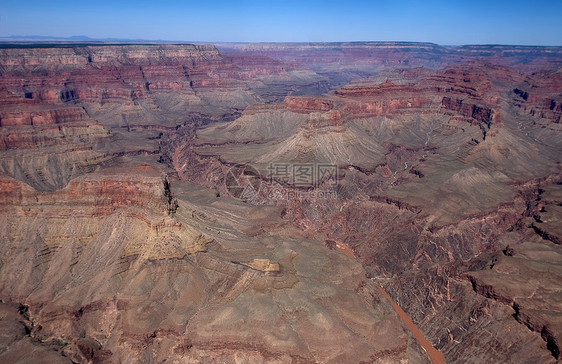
439	186
140	220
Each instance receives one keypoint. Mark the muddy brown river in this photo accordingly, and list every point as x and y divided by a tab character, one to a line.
434	354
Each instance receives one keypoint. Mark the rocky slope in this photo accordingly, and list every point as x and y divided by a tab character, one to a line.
91	104
436	171
106	258
112	268
145	215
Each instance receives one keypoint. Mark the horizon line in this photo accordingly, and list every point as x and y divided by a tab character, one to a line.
42	39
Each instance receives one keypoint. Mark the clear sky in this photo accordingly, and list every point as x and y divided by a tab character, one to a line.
452	22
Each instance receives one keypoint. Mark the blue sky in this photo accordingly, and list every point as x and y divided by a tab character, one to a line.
452	22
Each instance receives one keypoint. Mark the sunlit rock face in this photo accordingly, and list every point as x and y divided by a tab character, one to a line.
140	220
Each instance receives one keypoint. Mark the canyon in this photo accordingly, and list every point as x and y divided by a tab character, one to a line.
150	209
